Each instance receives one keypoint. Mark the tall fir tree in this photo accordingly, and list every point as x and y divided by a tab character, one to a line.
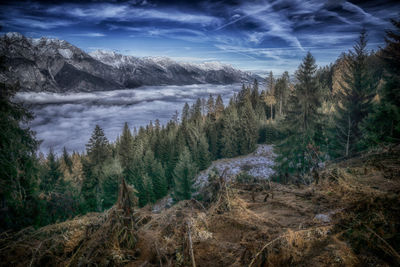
52	174
219	107
98	147
357	91
248	128
67	159
282	92
383	124
18	162
297	152
125	147
156	173
184	175
269	96
229	138
203	155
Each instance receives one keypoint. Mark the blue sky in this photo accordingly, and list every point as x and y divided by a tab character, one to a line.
258	36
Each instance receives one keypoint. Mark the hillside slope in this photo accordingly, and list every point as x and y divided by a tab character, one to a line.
349	218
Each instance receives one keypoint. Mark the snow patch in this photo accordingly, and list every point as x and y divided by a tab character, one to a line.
66	53
258	164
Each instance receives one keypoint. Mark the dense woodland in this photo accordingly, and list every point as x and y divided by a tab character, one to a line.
323	114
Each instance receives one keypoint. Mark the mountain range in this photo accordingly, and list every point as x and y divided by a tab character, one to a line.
54	65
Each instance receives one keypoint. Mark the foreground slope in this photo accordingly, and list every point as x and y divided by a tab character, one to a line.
350	218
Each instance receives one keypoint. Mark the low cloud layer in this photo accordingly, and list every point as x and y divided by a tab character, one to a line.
69	119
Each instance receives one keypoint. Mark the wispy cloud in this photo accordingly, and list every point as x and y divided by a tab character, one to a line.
89	34
22	22
125	12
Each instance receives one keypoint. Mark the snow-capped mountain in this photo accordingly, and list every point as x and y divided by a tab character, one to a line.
47	64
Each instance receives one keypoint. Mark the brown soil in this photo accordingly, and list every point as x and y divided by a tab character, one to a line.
351	218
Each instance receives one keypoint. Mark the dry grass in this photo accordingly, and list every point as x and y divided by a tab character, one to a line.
236	227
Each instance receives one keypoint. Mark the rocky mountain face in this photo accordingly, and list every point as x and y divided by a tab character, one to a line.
55	65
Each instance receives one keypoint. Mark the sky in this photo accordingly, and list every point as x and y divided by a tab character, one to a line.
257	36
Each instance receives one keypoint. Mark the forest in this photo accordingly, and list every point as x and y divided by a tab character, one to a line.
318	116
323	114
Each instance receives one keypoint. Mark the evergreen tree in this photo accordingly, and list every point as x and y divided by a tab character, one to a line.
357	91
149	189
112	172
203	155
229	139
269	97
52	174
67	160
184	175
219	107
248	128
185	113
91	187
98	147
196	112
383	124
210	106
282	92
125	147
298	152
255	97
18	163
156	173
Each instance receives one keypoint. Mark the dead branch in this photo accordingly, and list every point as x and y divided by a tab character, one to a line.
191	244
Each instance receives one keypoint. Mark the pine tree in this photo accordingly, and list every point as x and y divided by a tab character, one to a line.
156	173
184	176
98	147
149	189
210	106
255	96
125	147
91	187
219	107
297	153
113	173
229	139
269	97
383	124
18	163
67	160
185	113
203	155
196	112
52	174
248	128
282	92
357	91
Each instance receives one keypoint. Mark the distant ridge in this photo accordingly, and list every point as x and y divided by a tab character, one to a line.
54	65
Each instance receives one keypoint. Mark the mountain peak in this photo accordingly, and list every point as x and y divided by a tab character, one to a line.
55	65
14	35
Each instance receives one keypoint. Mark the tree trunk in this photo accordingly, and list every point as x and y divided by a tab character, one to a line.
272	115
348	136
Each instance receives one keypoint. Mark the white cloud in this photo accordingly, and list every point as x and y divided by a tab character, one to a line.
90	34
126	12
